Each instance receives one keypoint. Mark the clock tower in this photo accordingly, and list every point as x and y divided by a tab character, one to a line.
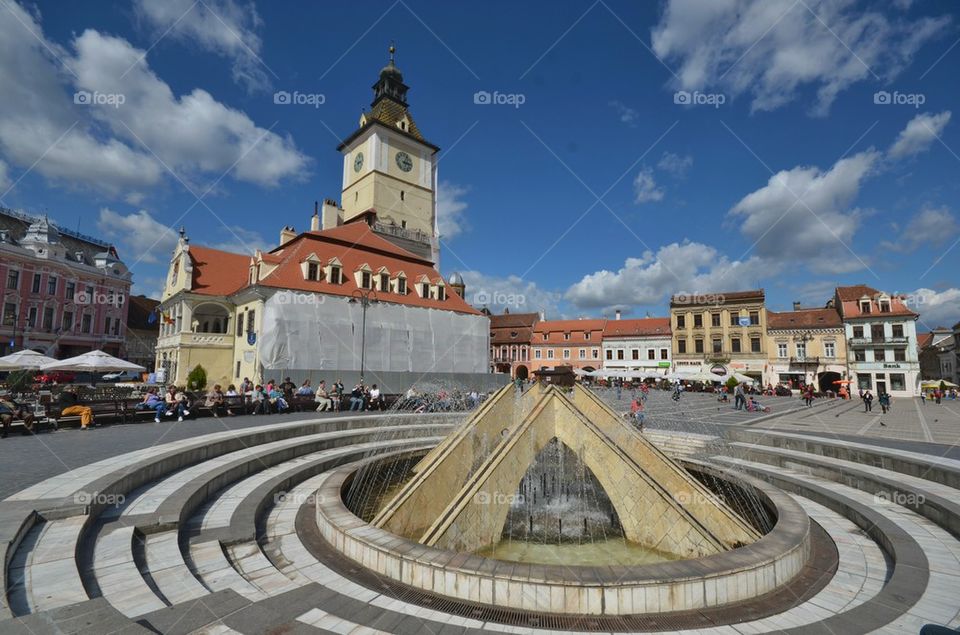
390	169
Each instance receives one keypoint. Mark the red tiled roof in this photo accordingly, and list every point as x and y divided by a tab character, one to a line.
355	245
804	318
924	340
635	328
217	272
850	297
513	320
555	330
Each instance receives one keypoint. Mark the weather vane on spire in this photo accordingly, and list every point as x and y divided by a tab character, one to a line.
392	49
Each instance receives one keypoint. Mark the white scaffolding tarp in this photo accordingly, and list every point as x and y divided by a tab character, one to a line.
320	332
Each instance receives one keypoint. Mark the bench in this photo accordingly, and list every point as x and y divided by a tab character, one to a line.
103	409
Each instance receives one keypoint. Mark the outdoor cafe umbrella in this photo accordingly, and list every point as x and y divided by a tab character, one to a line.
933	383
24	360
92	362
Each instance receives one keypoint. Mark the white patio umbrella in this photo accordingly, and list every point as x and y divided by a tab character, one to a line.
92	362
24	360
743	379
699	376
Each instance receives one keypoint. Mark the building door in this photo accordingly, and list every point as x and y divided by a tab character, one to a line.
881	386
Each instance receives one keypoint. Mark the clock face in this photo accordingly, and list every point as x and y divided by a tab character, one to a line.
358	162
404	162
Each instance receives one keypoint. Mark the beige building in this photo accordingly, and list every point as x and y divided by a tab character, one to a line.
720	332
806	346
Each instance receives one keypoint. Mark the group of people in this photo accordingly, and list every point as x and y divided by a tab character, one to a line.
884	399
937	395
172	402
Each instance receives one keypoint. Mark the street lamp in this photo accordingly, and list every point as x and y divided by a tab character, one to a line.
365	297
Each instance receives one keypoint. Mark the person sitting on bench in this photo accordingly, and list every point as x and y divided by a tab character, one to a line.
323	400
10	410
69	402
215	401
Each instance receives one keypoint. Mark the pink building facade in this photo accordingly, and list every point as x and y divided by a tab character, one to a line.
62	293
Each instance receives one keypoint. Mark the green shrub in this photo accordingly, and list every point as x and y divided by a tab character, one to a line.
197	379
732	383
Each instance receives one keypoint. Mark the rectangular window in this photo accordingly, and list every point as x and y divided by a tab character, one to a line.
51	285
858	331
536	353
586	335
251	320
681	346
86	324
715	319
549	353
899	354
583	353
681	321
620	353
365	280
67	323
664	353
116	326
425	289
335	275
865	307
698	320
884	306
36	283
566	337
9	314
735	344
239	324
734	318
384	282
237	373
596	353
876	332
13	279
755	345
313	271
801	350
48	318
441	293
897	381
717	345
70	290
32	317
860	355
609	354
754	318
566	353
829	349
635	353
898	330
879	355
651	353
106	326
698	346
864	381
544	337
782	350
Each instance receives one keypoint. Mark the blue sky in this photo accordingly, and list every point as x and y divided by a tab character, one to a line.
598	192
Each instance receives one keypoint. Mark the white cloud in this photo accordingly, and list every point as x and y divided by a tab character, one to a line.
686	267
240	240
931	225
804	215
145	239
921	131
225	27
510	292
625	113
451	209
770	49
193	132
936	308
645	187
674	164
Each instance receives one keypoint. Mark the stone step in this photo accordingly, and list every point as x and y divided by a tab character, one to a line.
43	573
940	503
118	576
169	570
212	567
90	617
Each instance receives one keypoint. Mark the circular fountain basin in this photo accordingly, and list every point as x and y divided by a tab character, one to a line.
712	581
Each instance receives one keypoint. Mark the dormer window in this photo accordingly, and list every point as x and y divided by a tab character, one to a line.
865	306
365	279
313	271
334	274
441	292
884	305
385	282
425	289
401	285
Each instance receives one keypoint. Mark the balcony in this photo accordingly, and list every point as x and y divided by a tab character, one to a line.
863	342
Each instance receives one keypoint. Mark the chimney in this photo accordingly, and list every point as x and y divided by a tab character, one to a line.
331	215
796	306
617	314
543	316
315	219
287	234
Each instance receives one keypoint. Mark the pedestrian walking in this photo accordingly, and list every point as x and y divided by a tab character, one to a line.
868	401
739	400
884	400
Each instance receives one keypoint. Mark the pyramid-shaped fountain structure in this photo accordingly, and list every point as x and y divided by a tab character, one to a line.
461	491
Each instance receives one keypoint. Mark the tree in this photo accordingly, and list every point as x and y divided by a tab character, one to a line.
732	384
197	379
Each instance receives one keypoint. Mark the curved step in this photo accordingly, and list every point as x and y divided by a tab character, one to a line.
46	566
169	570
118	576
